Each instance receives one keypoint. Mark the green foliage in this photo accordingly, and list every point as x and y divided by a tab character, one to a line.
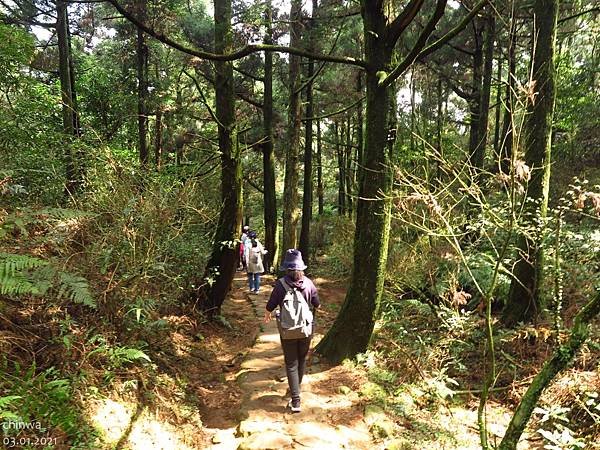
13	276
16	49
116	356
21	274
40	397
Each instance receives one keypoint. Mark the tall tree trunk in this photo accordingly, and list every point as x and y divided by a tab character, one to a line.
222	263
75	111
359	121
475	99
307	199
486	89
341	168
349	158
439	128
413	110
352	329
524	301
62	33
269	196
158	139
142	79
506	145
498	108
320	190
290	184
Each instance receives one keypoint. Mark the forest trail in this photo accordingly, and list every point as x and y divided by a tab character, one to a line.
332	412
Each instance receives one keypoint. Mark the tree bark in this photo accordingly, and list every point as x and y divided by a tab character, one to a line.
307	199
506	145
359	121
524	302
158	140
290	184
475	100
320	189
142	78
349	158
341	168
352	329
222	263
439	128
486	88
66	85
269	196
497	110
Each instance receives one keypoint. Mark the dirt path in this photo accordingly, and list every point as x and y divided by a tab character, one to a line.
332	413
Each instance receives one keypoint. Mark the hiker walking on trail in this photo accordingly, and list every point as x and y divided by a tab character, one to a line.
243	239
255	252
297	298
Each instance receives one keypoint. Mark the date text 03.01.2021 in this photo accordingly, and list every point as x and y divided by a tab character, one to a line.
18	442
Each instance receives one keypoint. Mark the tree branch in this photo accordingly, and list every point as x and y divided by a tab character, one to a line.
238	54
403	20
574	16
335	113
253	184
211	112
421	41
400	68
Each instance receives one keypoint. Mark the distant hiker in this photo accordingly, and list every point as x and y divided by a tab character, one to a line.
242	255
297	298
255	252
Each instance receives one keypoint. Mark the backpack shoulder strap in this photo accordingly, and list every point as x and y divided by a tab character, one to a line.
285	285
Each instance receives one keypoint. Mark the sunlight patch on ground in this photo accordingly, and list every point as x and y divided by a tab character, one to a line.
117	423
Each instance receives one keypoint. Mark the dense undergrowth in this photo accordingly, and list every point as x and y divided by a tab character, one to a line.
91	312
427	358
90	299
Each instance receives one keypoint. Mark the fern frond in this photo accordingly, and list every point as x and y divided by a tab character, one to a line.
13	277
11	263
76	289
20	274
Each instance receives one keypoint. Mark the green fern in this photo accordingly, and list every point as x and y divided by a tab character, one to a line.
13	274
21	275
76	289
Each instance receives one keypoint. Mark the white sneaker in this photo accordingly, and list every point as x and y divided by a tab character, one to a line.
294	409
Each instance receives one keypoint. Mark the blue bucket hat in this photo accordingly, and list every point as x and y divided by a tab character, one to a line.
293	260
252	234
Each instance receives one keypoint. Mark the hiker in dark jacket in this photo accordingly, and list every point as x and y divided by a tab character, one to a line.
294	350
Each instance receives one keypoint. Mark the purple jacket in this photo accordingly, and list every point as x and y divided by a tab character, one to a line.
305	286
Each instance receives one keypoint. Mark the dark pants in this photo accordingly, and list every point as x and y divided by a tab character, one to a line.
294	354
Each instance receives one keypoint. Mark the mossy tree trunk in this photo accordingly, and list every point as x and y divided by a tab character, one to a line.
222	263
351	331
524	302
290	184
269	196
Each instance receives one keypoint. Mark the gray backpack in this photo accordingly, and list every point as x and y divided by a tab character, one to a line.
295	319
